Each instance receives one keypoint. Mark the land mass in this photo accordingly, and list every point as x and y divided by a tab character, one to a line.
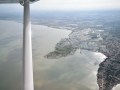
97	31
97	41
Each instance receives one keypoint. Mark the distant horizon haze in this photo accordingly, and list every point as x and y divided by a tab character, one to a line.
67	5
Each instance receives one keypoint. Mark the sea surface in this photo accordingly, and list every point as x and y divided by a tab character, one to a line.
74	72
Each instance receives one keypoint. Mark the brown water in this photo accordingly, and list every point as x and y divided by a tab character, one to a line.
75	72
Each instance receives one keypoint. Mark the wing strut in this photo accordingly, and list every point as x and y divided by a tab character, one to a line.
27	50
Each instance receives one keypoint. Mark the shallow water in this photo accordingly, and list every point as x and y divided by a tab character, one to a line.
75	72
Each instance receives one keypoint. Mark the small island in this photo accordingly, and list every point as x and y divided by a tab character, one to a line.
61	51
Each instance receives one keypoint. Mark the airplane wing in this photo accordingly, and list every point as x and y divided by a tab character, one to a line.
9	1
16	1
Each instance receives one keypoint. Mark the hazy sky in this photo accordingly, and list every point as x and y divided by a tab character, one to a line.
69	5
77	4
